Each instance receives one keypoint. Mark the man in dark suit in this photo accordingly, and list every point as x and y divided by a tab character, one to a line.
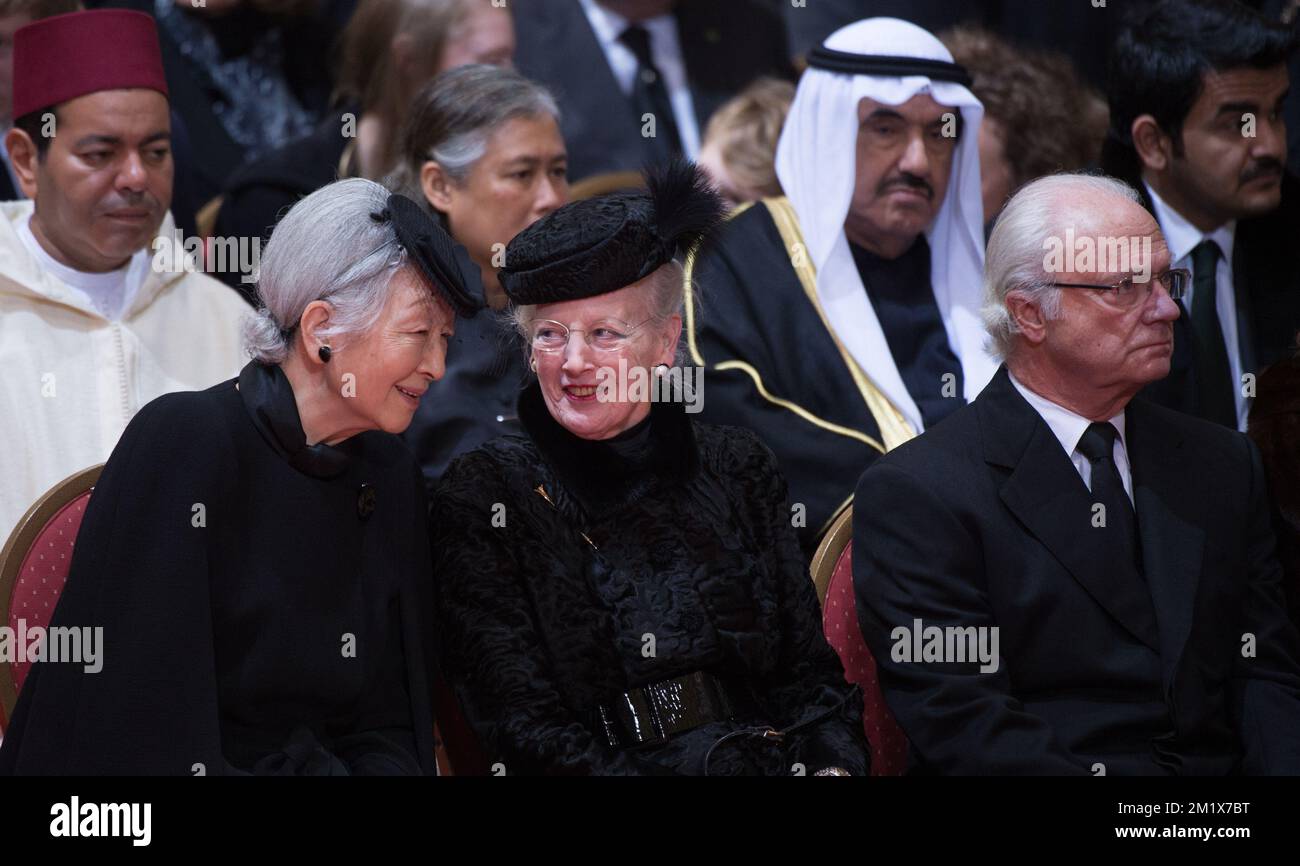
1056	580
1197	95
610	63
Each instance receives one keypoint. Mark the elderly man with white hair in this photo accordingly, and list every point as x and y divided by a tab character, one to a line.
1061	579
842	320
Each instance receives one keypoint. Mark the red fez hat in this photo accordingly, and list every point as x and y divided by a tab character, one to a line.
66	56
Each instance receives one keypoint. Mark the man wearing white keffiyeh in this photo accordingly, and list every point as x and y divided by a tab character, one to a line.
844	319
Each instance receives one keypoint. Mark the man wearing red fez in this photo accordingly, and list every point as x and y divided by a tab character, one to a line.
100	310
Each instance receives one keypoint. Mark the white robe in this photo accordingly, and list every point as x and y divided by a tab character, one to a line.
70	379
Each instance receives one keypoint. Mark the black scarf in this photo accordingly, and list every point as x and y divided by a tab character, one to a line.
606	474
268	396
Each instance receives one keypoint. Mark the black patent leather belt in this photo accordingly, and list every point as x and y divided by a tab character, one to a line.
656	712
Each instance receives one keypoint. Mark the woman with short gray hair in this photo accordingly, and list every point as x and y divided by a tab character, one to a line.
482	148
257	553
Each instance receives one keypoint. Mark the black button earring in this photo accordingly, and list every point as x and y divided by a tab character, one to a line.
324	354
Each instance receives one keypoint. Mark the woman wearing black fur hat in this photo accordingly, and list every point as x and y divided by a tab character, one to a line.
621	590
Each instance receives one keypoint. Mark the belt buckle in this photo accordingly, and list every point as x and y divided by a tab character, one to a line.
667	707
654	713
636	718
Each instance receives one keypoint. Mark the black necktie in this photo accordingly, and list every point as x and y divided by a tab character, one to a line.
1213	373
650	96
1120	530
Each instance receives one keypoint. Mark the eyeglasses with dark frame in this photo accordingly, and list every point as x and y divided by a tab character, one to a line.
1174	280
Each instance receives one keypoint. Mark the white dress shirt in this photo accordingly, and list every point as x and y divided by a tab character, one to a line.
1069	427
665	47
1183	237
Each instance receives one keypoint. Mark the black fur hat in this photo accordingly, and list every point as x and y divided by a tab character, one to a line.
602	244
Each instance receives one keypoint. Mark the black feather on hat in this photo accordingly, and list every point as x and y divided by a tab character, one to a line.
603	244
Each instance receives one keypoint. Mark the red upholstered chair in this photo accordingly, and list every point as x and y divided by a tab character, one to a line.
457	746
832	570
34	564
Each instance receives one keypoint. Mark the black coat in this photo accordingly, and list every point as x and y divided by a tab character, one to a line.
773	368
725	46
548	615
226	644
983	521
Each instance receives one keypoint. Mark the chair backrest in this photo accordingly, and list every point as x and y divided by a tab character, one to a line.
206	218
34	565
833	573
600	184
458	750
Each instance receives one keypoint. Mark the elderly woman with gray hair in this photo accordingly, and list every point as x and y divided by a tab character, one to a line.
482	148
621	590
256	554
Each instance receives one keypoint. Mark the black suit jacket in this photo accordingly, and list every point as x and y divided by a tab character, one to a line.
1266	282
725	47
983	521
